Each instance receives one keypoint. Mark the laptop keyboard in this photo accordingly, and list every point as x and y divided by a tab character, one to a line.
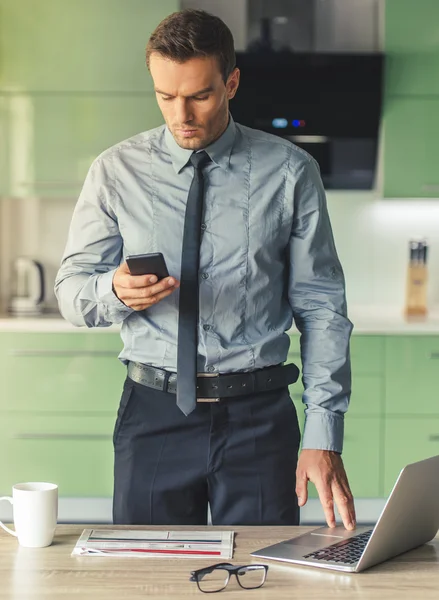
347	551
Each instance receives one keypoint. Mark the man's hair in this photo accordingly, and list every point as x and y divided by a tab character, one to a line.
192	34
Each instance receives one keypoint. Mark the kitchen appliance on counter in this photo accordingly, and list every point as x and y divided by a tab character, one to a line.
28	287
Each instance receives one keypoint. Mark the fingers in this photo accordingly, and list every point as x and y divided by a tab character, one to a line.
142	297
326	500
133	282
147	302
345	502
301	487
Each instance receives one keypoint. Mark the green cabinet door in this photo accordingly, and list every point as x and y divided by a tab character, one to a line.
412	49
412	375
411	147
60	372
70	131
362	453
80	46
407	440
75	452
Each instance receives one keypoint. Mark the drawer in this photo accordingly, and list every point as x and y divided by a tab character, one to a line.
362	449
407	440
74	452
60	372
412	375
367	396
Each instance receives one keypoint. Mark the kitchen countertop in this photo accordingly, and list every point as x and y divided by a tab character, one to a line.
44	573
367	320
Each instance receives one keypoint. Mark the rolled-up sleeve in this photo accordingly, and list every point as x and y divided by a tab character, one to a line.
83	285
318	300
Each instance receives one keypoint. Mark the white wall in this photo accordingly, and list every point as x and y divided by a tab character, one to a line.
372	241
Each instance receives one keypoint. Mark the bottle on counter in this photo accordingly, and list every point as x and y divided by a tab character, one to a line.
417	276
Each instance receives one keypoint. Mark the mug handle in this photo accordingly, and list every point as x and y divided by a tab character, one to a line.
9	499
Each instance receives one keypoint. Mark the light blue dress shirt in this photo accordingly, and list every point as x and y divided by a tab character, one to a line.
267	256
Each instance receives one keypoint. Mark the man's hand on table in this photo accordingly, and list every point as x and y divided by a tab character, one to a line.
325	470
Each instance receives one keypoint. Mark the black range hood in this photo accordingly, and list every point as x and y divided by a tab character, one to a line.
328	104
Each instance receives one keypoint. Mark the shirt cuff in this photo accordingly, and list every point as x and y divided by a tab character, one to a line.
323	432
116	309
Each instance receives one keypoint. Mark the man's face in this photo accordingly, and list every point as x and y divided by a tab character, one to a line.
193	98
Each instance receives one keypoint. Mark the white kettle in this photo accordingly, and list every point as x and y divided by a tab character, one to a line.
28	296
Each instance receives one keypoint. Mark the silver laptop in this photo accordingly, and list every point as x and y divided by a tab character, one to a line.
409	518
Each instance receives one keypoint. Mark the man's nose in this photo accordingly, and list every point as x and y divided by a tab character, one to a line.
183	111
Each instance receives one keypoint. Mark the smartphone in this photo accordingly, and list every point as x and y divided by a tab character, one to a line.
148	264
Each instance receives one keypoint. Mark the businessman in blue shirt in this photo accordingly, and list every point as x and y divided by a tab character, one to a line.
263	253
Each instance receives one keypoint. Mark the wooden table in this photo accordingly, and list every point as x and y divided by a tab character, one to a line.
52	574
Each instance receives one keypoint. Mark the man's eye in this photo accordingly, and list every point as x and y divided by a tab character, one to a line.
201	98
166	98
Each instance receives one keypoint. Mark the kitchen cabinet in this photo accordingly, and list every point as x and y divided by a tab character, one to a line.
411	45
412	402
81	46
412	375
411	133
62	373
411	103
58	406
51	140
362	455
61	391
70	131
73	82
74	451
408	439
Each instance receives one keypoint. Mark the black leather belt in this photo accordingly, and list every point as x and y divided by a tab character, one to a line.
212	387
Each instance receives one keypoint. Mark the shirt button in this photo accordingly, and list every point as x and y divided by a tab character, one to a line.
205	275
207	327
203	226
211	369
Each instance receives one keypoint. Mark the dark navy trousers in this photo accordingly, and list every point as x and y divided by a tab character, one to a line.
238	455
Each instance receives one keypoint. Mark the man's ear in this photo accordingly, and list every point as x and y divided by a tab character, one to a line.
233	83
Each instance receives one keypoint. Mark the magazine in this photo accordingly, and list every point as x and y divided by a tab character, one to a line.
139	543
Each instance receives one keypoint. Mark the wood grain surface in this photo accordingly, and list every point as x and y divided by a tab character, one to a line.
52	574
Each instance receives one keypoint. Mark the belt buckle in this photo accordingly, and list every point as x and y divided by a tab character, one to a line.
208	399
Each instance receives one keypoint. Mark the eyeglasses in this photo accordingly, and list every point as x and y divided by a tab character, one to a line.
216	577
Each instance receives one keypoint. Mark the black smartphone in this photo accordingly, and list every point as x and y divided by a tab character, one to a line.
148	264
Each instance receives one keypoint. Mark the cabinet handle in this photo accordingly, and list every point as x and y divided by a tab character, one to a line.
430	187
434	437
62	353
62	436
51	184
434	355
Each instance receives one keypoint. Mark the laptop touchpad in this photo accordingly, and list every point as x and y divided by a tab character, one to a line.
310	541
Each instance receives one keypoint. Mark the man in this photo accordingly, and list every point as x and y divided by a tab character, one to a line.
265	255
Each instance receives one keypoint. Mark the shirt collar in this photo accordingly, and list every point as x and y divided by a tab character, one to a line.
219	150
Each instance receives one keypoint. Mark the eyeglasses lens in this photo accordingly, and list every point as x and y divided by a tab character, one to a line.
251	576
214	581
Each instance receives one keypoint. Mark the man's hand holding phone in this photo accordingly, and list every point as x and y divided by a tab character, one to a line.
141	291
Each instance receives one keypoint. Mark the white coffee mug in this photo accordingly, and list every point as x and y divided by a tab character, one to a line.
35	507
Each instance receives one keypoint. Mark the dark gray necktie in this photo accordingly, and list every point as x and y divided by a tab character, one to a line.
188	306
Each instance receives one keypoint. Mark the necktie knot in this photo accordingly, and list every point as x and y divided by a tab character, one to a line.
199	159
